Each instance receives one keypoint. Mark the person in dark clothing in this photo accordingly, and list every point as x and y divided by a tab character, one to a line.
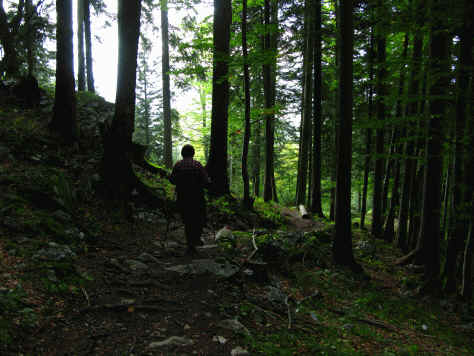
190	178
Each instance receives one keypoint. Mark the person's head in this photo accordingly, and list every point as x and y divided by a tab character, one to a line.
187	151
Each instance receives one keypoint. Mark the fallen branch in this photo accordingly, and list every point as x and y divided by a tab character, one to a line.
377	323
126	306
86	296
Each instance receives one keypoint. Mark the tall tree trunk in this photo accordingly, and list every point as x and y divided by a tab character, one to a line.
316	203
410	164
342	244
256	158
217	164
389	232
88	38
205	138
368	134
468	261
117	171
307	106
377	222
81	69
269	93
460	215
30	34
245	146
429	240
165	67
64	111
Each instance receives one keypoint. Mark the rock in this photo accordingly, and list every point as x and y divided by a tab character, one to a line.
62	216
239	351
275	295
51	275
220	339
347	327
136	265
168	244
234	325
146	257
55	252
204	266
171	341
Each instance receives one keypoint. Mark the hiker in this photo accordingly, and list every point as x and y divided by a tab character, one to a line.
190	178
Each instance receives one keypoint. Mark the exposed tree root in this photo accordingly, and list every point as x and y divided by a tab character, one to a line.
409	258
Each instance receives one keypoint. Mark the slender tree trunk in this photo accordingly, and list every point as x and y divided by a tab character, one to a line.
30	34
205	138
88	38
256	159
389	232
368	135
165	65
342	244
468	261
268	82
429	240
64	111
460	215
117	171
307	106
410	164
245	146
377	222
81	69
217	164
316	203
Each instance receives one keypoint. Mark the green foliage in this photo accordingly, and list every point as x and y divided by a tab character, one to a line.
14	309
221	205
65	193
269	210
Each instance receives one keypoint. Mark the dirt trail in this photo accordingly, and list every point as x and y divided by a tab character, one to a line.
134	301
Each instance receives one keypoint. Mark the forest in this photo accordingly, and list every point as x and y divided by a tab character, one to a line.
337	136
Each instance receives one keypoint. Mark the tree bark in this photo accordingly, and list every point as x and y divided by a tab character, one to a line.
81	69
368	134
245	146
377	222
88	39
342	244
217	164
410	164
459	214
269	93
117	171
64	110
429	239
389	232
316	203
165	65
307	107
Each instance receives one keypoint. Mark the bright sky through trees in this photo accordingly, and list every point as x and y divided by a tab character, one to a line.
105	45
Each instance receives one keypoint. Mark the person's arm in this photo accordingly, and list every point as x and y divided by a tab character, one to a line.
206	181
172	177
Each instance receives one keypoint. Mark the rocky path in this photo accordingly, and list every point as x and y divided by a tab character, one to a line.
146	298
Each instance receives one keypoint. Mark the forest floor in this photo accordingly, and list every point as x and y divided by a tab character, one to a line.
76	278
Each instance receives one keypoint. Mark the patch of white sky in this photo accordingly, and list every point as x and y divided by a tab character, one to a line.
105	47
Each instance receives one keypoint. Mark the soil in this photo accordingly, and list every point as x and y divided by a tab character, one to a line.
122	312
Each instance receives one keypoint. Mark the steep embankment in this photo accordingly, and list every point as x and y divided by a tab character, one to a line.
76	278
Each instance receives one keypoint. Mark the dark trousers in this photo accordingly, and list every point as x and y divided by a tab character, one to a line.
193	213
